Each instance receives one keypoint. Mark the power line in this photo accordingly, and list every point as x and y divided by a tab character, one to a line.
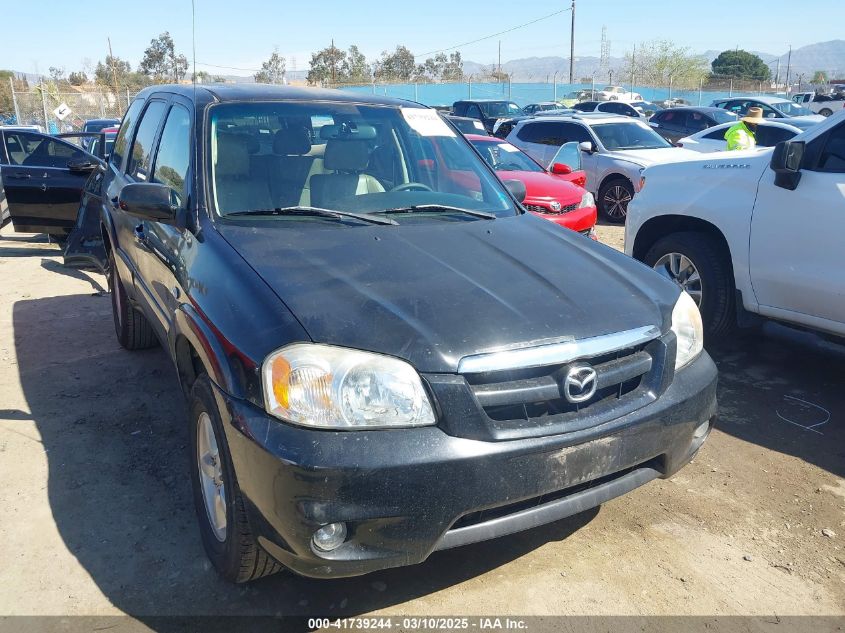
489	37
252	70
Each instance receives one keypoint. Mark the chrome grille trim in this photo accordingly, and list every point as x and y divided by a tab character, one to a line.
557	353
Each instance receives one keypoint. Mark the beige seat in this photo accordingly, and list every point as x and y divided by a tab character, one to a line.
237	186
347	158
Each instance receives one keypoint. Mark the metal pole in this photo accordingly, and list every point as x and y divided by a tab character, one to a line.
731	93
554	81
788	67
633	60
700	86
469	84
44	106
416	91
127	98
572	48
509	86
670	86
15	102
593	88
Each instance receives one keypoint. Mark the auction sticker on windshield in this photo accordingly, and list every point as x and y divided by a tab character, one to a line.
508	148
426	122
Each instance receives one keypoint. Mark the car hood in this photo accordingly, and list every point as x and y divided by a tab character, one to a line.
436	291
648	157
805	121
542	185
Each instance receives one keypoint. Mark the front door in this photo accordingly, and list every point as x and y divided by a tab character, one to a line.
796	255
43	180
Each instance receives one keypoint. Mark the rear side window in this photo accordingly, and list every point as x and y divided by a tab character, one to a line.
173	158
460	109
769	135
658	117
716	134
121	144
37	150
833	154
142	147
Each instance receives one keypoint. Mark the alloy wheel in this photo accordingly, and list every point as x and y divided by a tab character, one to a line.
616	200
211	476
680	269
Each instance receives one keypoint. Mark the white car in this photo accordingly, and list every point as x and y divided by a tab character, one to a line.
773	108
617	93
751	233
820	104
614	151
769	134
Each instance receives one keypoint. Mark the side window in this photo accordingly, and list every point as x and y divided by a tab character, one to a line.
121	143
571	132
716	135
658	117
173	158
474	111
697	122
138	166
460	109
541	132
832	158
35	150
769	135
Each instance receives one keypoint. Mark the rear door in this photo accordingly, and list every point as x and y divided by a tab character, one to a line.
43	181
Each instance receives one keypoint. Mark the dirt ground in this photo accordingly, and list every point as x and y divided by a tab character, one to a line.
96	514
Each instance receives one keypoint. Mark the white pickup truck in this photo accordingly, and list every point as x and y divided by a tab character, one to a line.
820	104
752	233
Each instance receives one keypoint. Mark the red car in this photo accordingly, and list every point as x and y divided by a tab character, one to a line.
558	196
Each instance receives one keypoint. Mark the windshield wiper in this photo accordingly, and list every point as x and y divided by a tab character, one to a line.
304	210
440	208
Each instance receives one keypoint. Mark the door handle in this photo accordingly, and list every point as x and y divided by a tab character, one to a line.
140	236
19	176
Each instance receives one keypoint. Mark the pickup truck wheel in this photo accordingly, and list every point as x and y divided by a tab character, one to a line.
132	328
224	525
825	111
614	197
695	262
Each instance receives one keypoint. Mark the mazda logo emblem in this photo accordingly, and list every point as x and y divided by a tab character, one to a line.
580	383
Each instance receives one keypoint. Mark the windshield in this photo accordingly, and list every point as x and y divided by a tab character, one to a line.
100	125
791	109
500	109
346	157
723	116
628	136
505	157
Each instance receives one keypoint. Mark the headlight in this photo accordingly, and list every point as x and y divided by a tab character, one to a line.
333	387
587	200
688	329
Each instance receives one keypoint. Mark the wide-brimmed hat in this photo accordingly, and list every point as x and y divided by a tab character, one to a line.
754	115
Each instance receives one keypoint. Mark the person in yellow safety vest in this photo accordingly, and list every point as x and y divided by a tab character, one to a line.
742	135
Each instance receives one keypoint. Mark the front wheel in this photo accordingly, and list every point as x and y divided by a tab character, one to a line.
825	111
696	263
614	197
224	526
131	327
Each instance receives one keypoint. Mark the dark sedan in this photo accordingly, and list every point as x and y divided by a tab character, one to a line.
673	124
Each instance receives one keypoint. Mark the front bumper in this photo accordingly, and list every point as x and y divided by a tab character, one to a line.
406	493
581	219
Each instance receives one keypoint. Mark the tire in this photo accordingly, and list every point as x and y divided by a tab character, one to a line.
131	327
717	293
235	554
825	111
614	197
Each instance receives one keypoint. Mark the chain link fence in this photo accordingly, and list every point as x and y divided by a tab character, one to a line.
55	111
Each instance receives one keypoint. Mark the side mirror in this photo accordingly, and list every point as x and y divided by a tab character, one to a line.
560	169
587	146
149	201
517	189
82	166
786	163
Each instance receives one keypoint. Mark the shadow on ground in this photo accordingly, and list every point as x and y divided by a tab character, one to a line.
113	425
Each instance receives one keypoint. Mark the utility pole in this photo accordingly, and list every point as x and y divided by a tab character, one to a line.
777	75
788	67
15	102
333	69
113	72
572	48
500	59
633	65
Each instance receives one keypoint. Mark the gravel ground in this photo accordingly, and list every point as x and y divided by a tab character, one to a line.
97	516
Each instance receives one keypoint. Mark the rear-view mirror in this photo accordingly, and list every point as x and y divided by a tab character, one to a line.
587	146
149	201
786	163
82	166
517	189
560	169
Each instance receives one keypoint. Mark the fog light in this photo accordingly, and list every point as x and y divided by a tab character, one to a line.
329	537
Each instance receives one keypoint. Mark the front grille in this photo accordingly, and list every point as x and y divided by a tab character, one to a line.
536	208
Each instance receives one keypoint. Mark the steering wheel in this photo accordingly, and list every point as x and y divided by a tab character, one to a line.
411	186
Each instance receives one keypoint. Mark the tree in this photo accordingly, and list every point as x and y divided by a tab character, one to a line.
272	71
396	66
356	69
819	78
57	74
112	72
741	64
77	78
662	62
7	106
327	66
161	62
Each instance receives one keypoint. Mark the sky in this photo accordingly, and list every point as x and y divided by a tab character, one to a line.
240	34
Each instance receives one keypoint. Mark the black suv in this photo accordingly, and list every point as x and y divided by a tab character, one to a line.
488	111
673	124
383	354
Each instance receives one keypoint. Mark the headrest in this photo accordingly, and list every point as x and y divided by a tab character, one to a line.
253	144
343	155
293	141
348	130
232	159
